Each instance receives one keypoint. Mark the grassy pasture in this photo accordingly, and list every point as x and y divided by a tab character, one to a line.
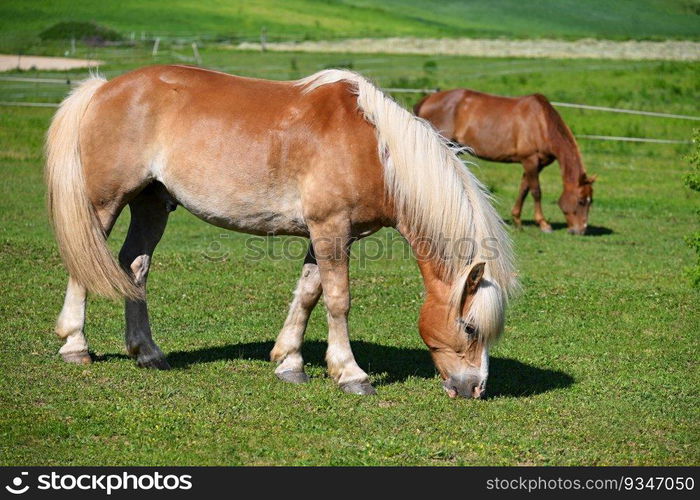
598	363
20	22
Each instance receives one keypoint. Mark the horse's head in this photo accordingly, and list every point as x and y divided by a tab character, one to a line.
576	202
458	332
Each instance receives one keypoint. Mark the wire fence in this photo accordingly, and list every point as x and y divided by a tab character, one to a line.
47	92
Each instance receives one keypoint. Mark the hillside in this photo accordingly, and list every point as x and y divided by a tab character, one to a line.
315	19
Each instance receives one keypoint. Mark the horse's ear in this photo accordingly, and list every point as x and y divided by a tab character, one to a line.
476	274
591	179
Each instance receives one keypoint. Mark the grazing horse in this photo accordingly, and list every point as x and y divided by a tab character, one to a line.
328	157
516	129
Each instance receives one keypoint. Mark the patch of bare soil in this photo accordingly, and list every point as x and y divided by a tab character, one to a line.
12	62
669	50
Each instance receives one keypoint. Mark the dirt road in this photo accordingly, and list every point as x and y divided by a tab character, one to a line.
11	62
556	49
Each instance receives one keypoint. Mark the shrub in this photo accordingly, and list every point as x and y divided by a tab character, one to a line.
343	64
692	180
79	31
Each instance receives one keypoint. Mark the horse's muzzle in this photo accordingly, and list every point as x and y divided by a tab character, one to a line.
580	231
469	386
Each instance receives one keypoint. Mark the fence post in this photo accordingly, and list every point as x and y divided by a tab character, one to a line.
263	38
155	47
195	51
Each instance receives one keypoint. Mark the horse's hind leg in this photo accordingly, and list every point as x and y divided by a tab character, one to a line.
149	215
287	350
71	320
69	325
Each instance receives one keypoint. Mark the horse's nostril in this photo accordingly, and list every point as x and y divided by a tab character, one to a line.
467	387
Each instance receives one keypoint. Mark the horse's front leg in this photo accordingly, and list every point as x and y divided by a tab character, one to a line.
331	241
518	207
532	174
287	350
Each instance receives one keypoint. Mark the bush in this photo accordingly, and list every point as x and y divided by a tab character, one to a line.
692	180
343	64
79	31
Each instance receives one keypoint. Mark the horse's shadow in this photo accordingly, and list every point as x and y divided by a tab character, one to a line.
388	365
590	230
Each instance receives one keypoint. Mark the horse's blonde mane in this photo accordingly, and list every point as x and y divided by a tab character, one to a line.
439	200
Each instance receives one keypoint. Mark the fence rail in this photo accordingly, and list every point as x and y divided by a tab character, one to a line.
623	110
30	104
394	90
631	139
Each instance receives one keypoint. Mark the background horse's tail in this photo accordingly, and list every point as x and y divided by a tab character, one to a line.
79	233
437	199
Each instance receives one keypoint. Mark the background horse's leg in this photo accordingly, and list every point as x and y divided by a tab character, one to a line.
287	350
69	325
518	207
532	173
331	241
149	215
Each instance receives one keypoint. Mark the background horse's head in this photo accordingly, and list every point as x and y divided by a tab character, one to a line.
576	202
458	332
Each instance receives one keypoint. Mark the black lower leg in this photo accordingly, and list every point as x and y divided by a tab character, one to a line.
149	215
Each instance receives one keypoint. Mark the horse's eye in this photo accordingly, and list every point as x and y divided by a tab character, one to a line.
468	328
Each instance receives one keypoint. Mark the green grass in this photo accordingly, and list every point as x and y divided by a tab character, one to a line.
597	366
21	22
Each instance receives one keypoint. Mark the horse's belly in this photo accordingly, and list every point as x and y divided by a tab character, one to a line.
242	207
263	220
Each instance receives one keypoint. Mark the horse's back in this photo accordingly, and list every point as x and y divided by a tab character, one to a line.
237	152
495	127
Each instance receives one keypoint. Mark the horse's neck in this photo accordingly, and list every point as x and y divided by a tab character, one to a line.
570	164
430	270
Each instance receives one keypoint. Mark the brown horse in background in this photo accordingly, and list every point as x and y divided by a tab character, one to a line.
516	129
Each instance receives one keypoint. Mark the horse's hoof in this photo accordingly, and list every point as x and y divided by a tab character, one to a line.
293	377
78	358
361	388
546	228
157	363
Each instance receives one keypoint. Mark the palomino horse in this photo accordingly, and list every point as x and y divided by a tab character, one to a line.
328	157
516	129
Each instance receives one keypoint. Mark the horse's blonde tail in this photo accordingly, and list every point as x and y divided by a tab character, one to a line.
79	232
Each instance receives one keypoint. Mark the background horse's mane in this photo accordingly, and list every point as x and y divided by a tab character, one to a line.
438	199
563	141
